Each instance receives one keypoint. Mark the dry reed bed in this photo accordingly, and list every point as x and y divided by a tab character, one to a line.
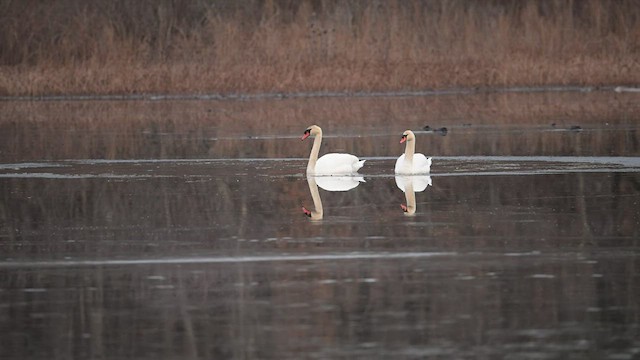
78	47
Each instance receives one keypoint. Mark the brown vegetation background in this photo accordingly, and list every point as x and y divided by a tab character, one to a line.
253	46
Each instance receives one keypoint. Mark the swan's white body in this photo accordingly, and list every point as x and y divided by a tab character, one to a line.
420	164
329	164
411	162
336	164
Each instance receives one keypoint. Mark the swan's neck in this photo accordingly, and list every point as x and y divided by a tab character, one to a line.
315	150
410	196
409	150
317	202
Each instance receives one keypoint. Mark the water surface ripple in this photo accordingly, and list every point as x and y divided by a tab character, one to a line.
164	228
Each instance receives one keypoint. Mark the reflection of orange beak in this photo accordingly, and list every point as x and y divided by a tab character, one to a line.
306	135
404	138
404	207
305	211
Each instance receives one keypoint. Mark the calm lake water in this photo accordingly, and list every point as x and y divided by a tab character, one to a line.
175	229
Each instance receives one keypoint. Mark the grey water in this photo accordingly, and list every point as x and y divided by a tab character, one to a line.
176	229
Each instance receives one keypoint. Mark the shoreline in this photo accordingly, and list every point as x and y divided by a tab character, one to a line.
320	94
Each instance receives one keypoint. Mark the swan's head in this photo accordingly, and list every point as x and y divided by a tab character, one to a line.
407	136
311	130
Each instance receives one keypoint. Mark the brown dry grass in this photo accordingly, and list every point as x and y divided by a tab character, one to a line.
79	47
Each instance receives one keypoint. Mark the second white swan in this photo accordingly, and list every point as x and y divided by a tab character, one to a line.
411	162
329	164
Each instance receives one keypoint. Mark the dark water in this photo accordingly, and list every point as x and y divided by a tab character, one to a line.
175	229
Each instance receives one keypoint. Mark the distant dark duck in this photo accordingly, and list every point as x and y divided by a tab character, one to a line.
442	131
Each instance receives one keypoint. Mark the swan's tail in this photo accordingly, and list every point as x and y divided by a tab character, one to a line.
358	165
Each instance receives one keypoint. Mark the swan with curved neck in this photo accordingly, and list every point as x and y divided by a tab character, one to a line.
329	164
411	162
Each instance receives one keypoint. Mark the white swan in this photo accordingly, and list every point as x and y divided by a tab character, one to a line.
329	164
410	162
410	185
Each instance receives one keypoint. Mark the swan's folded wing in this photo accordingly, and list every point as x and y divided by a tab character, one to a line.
421	164
337	164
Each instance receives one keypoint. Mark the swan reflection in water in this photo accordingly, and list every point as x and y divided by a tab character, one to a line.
410	185
328	183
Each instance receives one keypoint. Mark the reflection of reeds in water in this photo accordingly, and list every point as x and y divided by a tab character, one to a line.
275	308
367	127
285	310
180	216
183	46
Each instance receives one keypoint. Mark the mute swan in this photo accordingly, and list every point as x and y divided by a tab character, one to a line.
410	185
410	162
329	164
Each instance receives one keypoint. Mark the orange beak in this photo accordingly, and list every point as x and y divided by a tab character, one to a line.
306	135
